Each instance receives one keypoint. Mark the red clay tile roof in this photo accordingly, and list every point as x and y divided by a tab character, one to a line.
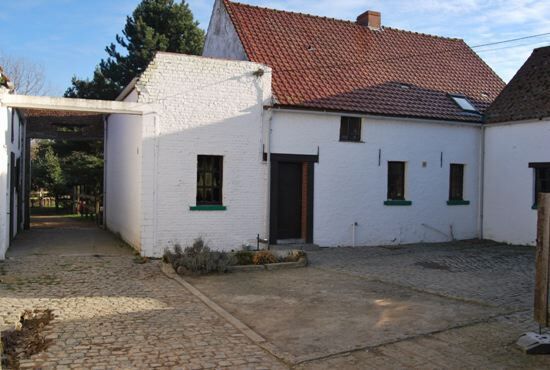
527	96
328	64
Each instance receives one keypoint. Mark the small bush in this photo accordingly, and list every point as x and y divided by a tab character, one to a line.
244	257
198	259
264	257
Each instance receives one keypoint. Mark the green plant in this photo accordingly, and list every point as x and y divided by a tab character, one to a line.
244	257
198	259
264	257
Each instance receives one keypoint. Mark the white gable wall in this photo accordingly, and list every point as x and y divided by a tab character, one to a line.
205	107
222	40
123	148
351	187
509	182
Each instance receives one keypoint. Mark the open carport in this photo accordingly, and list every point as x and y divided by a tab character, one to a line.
33	117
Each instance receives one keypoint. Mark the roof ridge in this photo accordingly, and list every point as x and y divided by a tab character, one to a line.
353	23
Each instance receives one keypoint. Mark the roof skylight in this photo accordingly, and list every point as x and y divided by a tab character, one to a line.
464	103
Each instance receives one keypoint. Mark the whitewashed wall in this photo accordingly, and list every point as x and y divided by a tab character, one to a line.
509	182
6	148
123	147
222	40
4	194
351	187
206	107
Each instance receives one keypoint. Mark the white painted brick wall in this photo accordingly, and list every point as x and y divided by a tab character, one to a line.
7	147
509	182
209	107
351	187
123	159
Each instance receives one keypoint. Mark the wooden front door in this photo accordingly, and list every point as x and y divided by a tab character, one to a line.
290	201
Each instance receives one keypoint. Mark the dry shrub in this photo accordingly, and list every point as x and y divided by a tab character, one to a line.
198	259
264	257
27	340
244	257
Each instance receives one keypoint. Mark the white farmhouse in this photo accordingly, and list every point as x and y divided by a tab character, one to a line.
303	129
517	153
375	133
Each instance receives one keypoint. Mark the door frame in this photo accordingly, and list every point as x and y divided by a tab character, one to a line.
274	191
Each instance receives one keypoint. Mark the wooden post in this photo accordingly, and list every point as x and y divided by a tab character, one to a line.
542	274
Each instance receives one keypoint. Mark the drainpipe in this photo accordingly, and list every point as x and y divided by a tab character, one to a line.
481	182
268	197
155	180
105	159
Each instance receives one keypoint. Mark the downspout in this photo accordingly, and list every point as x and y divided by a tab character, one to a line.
155	181
268	153
482	182
105	159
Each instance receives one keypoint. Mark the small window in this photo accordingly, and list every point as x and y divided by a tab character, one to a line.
542	178
209	179
464	103
456	182
396	180
350	129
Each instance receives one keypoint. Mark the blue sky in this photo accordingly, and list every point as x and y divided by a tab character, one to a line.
68	37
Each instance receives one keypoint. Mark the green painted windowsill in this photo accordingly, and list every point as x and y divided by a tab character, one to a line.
214	207
458	202
397	203
534	206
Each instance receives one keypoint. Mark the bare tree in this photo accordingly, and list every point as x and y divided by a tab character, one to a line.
28	77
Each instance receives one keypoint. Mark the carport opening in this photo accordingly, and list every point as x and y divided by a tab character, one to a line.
64	169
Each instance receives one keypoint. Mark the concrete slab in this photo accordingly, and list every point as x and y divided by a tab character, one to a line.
66	236
309	313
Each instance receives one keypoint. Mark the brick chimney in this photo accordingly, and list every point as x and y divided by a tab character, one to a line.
370	19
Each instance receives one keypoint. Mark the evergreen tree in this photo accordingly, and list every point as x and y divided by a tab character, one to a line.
155	25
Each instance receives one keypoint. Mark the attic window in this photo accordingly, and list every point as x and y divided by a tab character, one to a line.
464	103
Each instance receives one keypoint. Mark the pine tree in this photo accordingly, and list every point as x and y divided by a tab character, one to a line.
155	25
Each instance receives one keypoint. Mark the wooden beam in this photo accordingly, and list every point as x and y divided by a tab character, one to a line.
77	105
542	262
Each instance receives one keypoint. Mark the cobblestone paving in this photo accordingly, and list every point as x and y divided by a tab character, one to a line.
486	272
495	274
483	346
112	313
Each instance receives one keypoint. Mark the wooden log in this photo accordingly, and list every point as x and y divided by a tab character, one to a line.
542	274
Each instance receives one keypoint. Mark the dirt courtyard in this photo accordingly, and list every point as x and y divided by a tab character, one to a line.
451	305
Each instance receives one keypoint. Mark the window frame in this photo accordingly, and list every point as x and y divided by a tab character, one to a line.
459	100
401	183
452	190
213	202
345	122
538	167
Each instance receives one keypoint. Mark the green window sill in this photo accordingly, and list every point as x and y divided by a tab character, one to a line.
535	206
397	203
458	202
213	207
